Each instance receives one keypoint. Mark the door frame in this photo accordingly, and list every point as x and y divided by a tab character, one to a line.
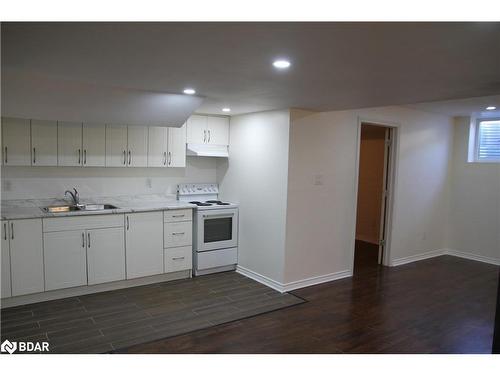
391	180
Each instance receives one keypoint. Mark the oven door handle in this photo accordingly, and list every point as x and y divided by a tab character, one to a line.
218	216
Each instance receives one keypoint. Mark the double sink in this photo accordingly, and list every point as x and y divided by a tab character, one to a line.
80	207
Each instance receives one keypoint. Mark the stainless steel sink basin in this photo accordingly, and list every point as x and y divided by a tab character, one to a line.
98	207
59	209
85	207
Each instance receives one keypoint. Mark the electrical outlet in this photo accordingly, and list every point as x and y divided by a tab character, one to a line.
318	180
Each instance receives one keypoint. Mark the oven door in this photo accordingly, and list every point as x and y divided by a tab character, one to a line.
217	229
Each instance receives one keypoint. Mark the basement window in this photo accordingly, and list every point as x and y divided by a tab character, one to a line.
486	137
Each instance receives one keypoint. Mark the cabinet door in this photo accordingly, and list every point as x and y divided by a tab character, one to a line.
137	146
65	259
116	146
6	289
26	256
94	145
157	146
218	130
144	244
197	129
176	156
105	255
69	144
16	141
43	143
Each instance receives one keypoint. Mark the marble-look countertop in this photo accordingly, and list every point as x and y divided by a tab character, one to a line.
32	208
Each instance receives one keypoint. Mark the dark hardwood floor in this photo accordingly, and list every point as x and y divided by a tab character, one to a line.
440	305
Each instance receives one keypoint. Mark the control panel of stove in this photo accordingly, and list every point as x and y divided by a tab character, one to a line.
193	189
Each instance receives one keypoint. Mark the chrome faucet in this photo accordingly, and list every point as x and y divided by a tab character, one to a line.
74	196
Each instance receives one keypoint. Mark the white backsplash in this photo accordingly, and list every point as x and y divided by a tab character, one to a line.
51	182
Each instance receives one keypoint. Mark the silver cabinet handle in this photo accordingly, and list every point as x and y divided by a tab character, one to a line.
83	239
128	224
129	157
164	157
34	155
5	154
204	136
178	258
79	156
178	233
124	157
208	136
84	156
169	158
88	239
178	215
5	231
11	231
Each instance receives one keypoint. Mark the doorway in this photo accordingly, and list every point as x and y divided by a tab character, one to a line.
374	186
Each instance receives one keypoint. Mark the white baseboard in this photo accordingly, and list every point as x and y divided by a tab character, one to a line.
417	257
286	287
472	256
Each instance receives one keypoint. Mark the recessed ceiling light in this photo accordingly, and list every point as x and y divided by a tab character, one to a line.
189	91
281	64
491	108
226	109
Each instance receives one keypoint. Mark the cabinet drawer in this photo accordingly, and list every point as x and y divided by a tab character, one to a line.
55	224
217	258
178	215
178	259
178	234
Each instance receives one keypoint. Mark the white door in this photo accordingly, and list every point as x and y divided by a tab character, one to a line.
105	255
43	143
144	244
116	146
197	129
137	146
26	256
94	145
69	144
65	259
16	140
157	146
6	289
176	156
218	130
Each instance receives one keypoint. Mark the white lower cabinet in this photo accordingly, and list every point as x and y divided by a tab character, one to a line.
6	287
65	259
178	259
105	255
26	256
144	244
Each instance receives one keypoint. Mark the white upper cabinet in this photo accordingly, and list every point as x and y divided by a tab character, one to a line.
176	155
211	130
69	144
197	129
16	141
157	146
94	145
218	130
137	146
43	143
116	146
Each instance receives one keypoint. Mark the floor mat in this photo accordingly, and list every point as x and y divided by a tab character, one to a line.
104	322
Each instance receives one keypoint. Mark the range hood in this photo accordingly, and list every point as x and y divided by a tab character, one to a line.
219	151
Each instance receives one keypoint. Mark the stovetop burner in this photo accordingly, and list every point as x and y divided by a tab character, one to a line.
200	203
219	203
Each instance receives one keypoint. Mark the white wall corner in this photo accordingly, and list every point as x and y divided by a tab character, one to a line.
276	285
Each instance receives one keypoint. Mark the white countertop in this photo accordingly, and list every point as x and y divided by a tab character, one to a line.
32	208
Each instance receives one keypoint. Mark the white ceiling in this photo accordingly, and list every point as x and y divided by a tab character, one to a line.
334	65
463	107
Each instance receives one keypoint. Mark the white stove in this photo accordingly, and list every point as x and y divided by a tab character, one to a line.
215	232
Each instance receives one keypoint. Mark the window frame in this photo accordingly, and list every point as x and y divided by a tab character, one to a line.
477	123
